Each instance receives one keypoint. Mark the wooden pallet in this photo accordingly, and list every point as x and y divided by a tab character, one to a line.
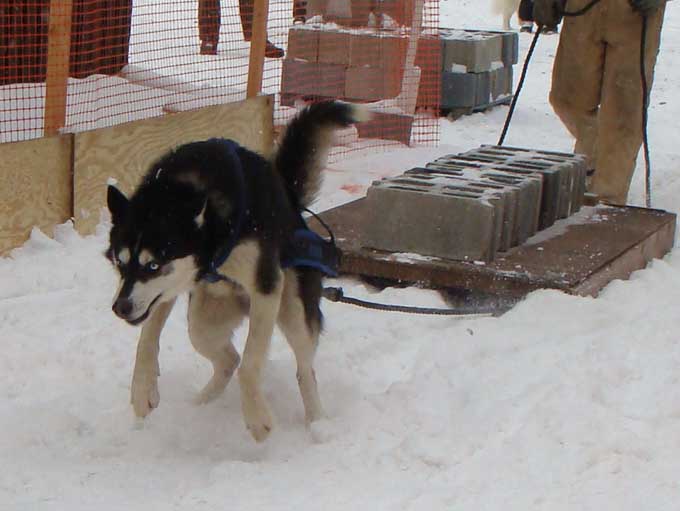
579	255
454	113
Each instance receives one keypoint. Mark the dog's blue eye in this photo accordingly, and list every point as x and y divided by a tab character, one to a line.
153	266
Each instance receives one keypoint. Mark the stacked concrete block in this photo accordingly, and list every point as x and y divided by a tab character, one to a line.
470	206
387	126
306	78
510	51
471	52
457	181
564	176
303	42
449	221
365	65
527	191
476	67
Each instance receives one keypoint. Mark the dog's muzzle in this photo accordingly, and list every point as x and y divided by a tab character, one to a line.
123	307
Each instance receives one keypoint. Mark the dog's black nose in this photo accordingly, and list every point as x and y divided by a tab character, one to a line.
122	307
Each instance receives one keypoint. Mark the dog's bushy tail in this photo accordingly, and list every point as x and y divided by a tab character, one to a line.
304	147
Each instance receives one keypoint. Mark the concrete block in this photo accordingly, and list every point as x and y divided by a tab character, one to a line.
501	82
510	52
573	165
452	222
334	47
387	126
552	178
509	194
372	83
464	90
365	50
377	49
303	43
530	181
430	90
393	49
563	175
429	54
528	187
313	78
470	51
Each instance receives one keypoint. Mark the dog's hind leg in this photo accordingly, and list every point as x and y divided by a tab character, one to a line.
212	320
302	333
264	309
144	394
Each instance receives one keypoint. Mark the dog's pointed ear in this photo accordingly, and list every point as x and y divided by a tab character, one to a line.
118	204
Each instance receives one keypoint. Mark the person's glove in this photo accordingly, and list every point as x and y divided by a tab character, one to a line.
646	6
548	13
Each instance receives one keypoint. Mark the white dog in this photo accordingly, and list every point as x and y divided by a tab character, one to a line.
506	8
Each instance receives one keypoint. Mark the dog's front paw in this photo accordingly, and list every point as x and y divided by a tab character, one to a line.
258	421
144	394
214	389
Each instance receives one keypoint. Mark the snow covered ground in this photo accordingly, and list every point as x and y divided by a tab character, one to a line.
564	403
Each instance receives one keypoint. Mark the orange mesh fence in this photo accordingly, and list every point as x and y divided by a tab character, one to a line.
128	60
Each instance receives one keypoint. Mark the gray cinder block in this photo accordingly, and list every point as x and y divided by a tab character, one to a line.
501	82
510	195
572	168
461	90
529	186
476	51
510	48
449	221
469	206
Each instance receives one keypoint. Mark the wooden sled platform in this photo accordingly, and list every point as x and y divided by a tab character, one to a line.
579	255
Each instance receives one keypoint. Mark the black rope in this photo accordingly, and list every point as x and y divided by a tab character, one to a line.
515	98
645	106
324	224
336	294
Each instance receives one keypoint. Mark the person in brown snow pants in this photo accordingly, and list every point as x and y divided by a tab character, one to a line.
597	86
209	26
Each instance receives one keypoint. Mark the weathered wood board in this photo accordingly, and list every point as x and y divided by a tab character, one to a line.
35	187
579	255
124	152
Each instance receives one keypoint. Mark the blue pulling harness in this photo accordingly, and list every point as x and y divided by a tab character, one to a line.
305	248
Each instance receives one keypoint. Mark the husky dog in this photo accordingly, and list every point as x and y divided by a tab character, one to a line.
215	220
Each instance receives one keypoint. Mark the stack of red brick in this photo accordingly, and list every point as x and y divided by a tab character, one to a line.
329	61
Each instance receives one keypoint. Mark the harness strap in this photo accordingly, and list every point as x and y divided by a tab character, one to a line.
222	254
308	249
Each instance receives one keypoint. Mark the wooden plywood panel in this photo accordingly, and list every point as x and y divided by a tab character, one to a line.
35	187
124	152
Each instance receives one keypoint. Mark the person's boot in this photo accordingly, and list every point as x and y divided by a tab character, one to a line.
299	11
246	9
208	48
209	25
